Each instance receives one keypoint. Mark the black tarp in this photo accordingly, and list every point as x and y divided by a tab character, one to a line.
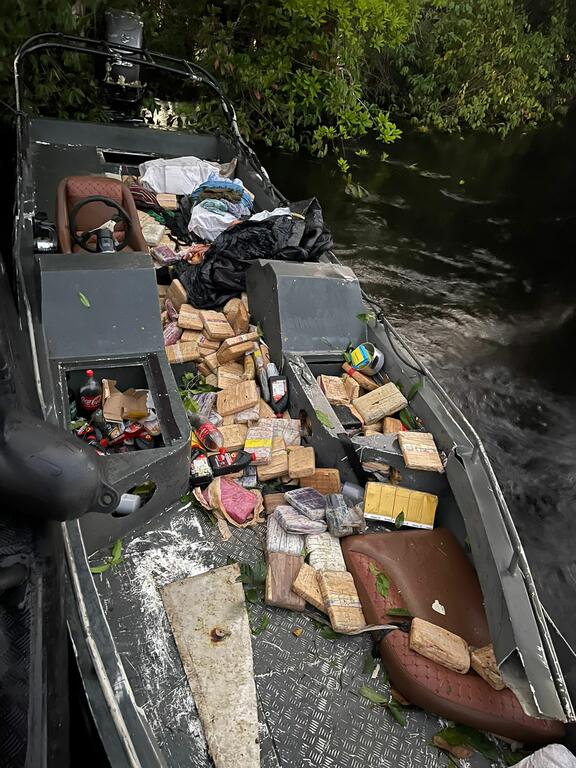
222	274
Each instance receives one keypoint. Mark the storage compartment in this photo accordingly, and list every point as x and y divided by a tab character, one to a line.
166	465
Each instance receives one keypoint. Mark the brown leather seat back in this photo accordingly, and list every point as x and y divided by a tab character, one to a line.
427	568
73	189
430	566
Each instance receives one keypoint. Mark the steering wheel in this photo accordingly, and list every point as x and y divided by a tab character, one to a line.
121	215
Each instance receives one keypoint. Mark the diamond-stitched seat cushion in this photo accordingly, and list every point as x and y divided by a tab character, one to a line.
425	566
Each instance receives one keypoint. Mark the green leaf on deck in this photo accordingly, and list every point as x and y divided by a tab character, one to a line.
185	498
463	735
323	419
264	622
414	389
84	299
373	696
116	552
399	612
369	664
397	712
100	568
366	317
326	631
252	596
399	520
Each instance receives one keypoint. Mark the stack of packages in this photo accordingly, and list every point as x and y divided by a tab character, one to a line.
220	343
306	523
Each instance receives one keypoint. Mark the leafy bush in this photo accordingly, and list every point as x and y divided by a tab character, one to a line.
57	85
293	68
484	64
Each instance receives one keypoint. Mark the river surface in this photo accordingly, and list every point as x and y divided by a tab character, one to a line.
468	244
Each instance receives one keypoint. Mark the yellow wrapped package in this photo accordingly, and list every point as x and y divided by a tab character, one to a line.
385	502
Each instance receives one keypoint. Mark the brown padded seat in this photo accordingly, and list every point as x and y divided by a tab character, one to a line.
73	189
424	566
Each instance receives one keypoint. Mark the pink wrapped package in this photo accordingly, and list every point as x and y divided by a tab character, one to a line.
164	255
171	310
237	503
172	334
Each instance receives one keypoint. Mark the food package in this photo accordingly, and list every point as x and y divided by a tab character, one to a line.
249	416
237	315
234	436
240	506
278	465
171	310
226	354
165	255
273	500
308	501
439	645
177	294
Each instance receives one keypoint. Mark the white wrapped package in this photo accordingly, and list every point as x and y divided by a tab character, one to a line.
208	224
269	214
176	175
552	756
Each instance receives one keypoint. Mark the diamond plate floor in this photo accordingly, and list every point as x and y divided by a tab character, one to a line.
310	712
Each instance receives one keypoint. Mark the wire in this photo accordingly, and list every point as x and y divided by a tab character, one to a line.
380	316
550	621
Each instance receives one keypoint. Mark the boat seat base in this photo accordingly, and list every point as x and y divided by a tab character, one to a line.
426	568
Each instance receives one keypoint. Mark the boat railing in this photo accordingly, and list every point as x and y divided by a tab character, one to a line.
519	560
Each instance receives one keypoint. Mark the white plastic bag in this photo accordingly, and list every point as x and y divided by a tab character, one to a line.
209	224
552	756
176	175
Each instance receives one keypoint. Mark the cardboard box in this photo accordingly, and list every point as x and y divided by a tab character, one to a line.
334	389
129	405
385	502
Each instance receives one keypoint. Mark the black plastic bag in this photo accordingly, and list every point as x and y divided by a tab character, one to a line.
222	275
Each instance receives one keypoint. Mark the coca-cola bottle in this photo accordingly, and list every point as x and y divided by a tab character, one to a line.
205	434
90	394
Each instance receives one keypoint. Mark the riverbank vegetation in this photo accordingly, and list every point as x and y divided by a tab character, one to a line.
313	74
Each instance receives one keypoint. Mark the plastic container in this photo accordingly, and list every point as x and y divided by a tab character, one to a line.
369	359
353	492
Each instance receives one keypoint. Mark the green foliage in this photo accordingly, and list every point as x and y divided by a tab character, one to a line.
464	735
114	559
382	581
491	65
293	68
58	85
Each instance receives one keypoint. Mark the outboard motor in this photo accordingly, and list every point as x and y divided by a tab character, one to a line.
122	78
48	473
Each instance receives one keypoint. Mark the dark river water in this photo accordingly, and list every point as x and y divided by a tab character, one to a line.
469	245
